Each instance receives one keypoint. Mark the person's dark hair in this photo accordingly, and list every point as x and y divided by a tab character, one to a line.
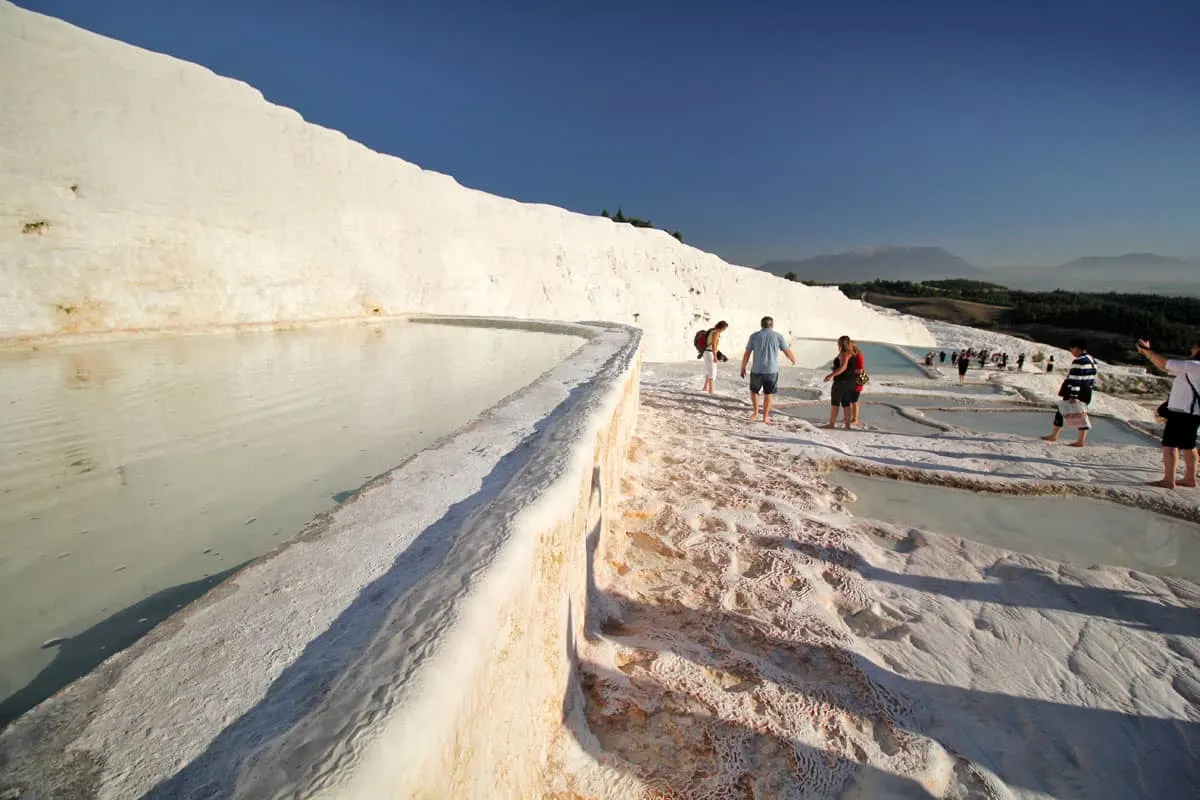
1079	342
722	325
767	322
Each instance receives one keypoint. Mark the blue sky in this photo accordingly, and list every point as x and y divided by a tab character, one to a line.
1009	132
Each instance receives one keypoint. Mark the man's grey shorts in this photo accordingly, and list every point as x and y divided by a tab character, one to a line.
767	382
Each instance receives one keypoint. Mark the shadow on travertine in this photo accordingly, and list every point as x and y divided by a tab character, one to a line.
675	748
738	697
78	655
672	740
1020	586
294	716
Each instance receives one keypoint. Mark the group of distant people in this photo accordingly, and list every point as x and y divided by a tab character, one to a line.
962	361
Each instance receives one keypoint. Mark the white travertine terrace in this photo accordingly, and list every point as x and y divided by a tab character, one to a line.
143	192
411	642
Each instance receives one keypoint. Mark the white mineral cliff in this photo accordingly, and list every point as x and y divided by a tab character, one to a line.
140	191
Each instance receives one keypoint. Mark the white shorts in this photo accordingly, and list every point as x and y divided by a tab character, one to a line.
710	365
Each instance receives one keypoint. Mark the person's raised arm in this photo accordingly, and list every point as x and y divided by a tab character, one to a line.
1160	361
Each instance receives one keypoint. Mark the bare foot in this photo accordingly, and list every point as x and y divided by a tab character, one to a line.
1161	484
1187	485
1075	444
753	415
828	427
767	421
1050	438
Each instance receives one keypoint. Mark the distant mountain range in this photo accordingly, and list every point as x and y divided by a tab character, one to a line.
882	263
1131	272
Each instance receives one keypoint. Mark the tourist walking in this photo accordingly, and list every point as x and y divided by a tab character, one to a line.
1020	362
1076	389
1182	413
964	364
942	356
1050	365
845	380
712	341
764	348
954	359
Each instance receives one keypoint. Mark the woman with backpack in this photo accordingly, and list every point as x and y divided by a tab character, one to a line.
708	342
844	392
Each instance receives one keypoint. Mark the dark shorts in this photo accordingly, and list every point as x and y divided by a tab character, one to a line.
1180	431
963	366
766	382
843	394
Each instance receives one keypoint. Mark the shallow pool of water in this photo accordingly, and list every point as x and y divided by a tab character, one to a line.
791	394
1039	423
881	359
133	473
945	399
970	388
1084	532
873	418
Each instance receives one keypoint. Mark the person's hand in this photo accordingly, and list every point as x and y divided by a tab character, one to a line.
1143	344
743	373
827	379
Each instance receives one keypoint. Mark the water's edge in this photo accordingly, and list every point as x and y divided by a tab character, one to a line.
309	658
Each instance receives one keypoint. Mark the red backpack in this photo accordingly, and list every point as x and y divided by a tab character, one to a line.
700	340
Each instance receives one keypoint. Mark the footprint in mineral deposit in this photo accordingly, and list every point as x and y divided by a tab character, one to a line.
873	623
920	644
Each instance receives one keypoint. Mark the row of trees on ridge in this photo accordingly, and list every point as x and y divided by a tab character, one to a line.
636	222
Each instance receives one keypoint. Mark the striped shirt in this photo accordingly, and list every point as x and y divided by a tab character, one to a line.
1082	375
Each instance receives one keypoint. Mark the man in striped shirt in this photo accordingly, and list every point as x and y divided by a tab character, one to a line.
1077	386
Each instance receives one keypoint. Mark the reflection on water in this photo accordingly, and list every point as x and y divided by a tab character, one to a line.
1039	423
942	399
872	417
130	468
1084	532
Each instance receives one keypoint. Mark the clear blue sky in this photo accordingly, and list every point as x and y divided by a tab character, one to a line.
1009	132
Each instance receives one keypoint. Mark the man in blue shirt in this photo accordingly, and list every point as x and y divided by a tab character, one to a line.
765	347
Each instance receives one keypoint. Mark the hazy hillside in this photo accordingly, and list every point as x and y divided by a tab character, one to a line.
1132	272
886	263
